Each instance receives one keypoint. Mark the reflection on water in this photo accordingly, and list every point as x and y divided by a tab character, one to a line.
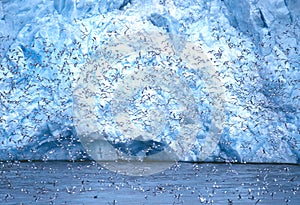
183	183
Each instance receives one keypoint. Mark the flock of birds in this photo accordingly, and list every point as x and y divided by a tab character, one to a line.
263	93
261	77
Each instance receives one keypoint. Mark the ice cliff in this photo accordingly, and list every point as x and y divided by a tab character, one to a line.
253	45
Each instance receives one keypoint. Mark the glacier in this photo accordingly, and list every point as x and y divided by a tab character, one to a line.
253	46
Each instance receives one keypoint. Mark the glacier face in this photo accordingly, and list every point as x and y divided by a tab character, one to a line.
253	45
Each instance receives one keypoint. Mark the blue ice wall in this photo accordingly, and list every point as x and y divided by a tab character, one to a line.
254	46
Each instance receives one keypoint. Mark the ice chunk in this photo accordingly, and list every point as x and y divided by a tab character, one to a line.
253	45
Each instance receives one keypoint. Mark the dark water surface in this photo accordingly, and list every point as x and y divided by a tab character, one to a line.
184	183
